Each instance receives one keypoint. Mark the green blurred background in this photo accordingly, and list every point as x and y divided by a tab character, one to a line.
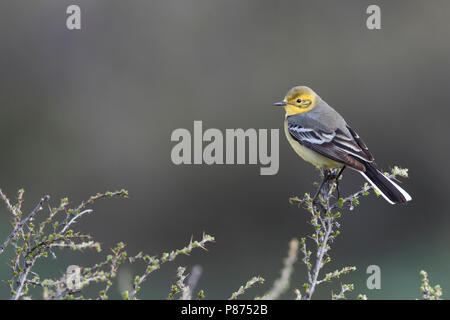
92	110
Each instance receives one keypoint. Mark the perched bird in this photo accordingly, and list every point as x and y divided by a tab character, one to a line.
320	135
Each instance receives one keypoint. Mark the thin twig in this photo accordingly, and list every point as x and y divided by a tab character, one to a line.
282	284
21	223
74	219
242	289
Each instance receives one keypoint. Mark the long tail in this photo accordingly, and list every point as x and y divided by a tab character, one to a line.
390	191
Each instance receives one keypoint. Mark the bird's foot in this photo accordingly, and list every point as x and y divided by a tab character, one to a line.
336	175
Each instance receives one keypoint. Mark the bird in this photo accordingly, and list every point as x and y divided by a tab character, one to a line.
321	136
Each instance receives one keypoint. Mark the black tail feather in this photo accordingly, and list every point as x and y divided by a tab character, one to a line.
388	188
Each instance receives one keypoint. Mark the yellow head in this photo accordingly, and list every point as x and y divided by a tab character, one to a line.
298	100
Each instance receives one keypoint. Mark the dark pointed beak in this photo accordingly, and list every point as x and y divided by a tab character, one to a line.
280	104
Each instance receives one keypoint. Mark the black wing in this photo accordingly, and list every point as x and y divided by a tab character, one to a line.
336	145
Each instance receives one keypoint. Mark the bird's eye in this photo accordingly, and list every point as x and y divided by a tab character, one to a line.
299	100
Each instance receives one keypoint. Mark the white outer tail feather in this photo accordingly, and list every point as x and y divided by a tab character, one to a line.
403	192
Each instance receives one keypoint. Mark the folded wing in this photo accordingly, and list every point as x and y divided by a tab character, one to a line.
347	148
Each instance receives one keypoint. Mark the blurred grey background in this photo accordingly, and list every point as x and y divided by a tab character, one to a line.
92	110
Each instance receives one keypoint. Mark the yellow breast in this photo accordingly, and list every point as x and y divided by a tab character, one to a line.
309	155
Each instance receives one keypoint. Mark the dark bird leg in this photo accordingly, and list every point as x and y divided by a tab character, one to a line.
340	172
326	177
337	181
